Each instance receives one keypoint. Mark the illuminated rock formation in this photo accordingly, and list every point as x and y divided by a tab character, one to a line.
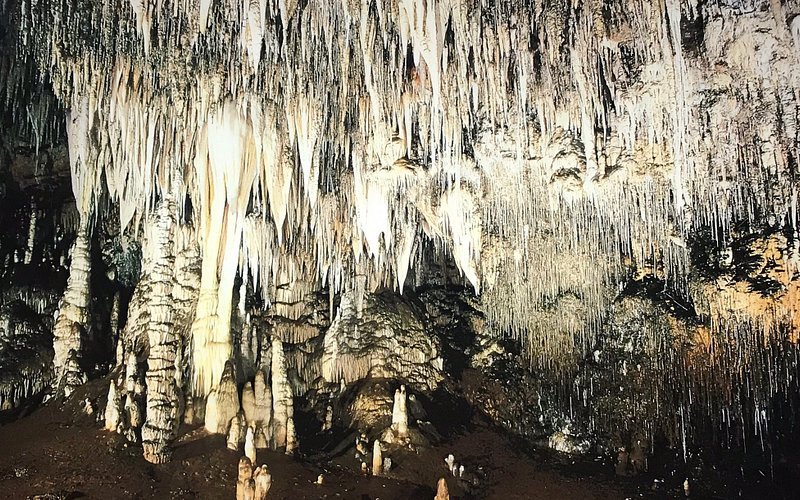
608	189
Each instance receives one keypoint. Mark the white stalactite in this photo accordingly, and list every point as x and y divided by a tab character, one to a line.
226	178
546	176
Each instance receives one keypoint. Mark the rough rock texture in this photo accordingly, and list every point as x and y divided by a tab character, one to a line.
222	403
162	407
617	180
385	340
282	400
262	414
73	315
442	493
25	354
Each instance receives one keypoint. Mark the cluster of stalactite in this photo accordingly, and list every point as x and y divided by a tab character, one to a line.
552	151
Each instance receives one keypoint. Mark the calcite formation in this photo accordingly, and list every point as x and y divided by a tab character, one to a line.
442	493
377	459
252	483
386	339
614	184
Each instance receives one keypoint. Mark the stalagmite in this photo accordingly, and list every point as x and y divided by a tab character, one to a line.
442	493
237	432
162	400
114	327
377	459
223	403
262	411
263	480
245	486
134	403
213	420
400	413
291	436
249	445
328	422
112	412
73	375
73	312
281	396
31	233
252	484
249	403
261	440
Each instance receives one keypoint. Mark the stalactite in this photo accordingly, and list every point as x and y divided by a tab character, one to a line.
549	151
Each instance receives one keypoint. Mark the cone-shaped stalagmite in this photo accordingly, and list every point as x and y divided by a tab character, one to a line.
249	445
222	403
263	480
249	403
442	493
262	417
73	315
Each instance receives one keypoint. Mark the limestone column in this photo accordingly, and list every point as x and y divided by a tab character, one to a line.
162	402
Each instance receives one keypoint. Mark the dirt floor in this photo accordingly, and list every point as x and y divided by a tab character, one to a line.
60	452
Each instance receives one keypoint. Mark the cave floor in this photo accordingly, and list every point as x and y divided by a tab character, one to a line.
61	452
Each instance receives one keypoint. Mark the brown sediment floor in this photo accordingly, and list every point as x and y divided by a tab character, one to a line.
59	450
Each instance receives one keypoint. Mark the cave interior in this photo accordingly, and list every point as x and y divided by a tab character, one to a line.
399	248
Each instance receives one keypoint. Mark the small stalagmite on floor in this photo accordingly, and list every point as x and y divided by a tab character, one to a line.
245	486
263	480
400	413
377	459
252	483
223	402
249	445
236	434
442	493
